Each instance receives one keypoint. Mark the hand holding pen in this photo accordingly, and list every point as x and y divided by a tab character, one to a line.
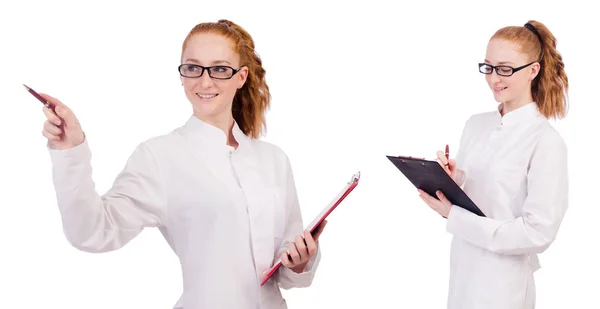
445	162
449	166
62	129
441	204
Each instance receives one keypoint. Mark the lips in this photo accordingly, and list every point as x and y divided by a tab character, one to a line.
206	96
498	89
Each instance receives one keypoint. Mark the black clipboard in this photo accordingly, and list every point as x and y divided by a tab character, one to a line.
429	176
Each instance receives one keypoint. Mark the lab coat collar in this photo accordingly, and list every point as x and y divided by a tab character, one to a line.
213	135
522	114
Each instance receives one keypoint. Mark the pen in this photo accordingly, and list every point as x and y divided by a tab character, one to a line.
39	97
447	155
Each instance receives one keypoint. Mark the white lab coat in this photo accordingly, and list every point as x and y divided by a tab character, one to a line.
516	172
227	213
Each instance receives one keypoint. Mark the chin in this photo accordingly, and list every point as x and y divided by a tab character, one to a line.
208	109
501	97
204	109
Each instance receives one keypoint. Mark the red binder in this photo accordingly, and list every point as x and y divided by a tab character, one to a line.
318	219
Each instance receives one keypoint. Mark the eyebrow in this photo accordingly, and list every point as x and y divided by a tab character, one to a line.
212	63
221	62
499	63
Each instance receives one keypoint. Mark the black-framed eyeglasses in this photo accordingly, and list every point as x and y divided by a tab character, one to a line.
502	70
216	72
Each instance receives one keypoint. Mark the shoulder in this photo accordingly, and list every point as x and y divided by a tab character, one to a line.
270	150
272	156
549	151
549	139
476	123
481	119
160	145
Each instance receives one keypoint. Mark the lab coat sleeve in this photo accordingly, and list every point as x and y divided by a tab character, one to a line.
95	223
543	209
287	278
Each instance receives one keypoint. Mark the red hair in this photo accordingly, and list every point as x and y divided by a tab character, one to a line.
251	101
549	88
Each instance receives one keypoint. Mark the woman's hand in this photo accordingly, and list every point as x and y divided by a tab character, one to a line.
441	206
302	250
61	129
449	166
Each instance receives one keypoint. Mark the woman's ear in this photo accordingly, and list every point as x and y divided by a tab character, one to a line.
243	73
535	70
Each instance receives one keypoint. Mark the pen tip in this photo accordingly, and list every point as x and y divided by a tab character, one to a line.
25	86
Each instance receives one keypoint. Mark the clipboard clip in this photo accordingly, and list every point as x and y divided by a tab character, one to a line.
354	178
410	158
402	158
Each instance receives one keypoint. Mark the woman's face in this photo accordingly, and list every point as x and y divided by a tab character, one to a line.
514	88
211	98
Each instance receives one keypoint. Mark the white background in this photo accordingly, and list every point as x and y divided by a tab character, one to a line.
351	83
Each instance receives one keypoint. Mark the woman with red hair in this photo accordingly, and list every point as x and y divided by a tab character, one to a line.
224	200
513	164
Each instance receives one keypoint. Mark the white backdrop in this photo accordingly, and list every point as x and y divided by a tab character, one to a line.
351	83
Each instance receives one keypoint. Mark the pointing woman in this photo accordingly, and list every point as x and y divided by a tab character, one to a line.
224	200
